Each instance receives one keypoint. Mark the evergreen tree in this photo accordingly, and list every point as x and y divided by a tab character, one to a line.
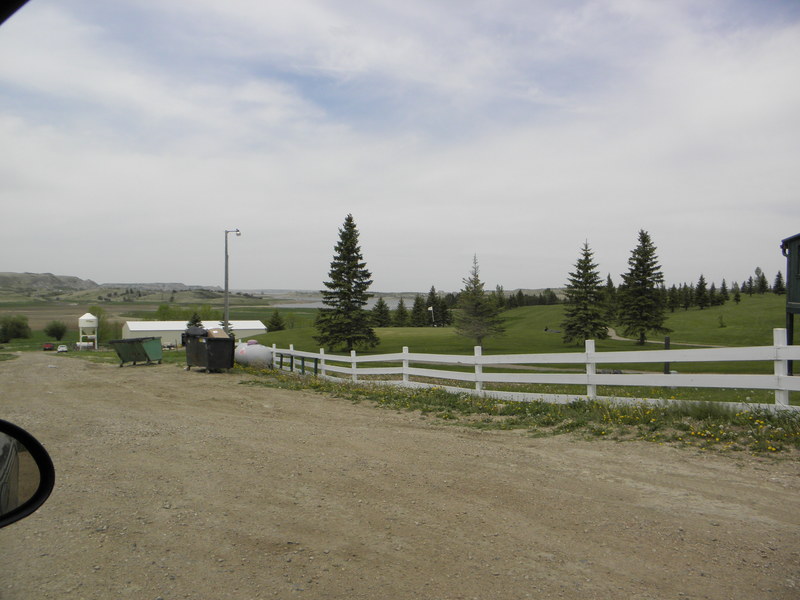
520	298
779	287
749	287
687	296
641	301
276	322
499	297
701	293
381	315
713	295
419	313
761	283
479	316
610	300
737	295
438	313
583	315
401	314
723	292
673	298
194	321
346	323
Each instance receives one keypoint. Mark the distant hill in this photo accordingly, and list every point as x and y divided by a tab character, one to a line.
43	282
178	287
47	285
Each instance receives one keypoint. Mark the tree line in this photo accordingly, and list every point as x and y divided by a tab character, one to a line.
638	305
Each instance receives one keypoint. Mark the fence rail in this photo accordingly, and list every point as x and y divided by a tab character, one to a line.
779	353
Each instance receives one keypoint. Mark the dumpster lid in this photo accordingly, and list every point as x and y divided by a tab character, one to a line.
217	333
196	331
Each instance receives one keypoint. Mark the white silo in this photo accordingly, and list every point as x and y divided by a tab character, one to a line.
87	332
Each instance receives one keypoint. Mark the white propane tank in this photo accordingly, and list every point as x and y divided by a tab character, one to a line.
253	354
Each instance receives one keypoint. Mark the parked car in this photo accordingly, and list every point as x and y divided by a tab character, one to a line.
62	348
48	346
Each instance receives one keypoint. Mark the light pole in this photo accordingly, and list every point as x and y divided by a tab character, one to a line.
225	324
433	321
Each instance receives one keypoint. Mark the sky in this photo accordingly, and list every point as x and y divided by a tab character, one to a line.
133	133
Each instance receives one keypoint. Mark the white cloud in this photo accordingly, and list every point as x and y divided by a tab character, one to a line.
515	131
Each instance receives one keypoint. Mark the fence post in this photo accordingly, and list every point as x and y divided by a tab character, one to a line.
274	354
781	367
591	370
478	370
291	358
405	365
353	365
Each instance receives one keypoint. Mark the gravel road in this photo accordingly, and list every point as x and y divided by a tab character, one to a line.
175	484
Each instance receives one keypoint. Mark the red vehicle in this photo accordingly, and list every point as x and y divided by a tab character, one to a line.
48	346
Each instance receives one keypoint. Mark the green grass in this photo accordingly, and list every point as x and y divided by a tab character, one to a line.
706	426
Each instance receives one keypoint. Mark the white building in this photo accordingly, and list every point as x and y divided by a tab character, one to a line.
170	331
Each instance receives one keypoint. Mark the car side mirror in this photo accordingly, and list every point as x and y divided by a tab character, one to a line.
27	475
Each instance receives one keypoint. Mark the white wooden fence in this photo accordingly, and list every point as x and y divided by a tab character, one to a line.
779	353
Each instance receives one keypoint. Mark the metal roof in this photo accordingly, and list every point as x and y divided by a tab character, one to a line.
181	325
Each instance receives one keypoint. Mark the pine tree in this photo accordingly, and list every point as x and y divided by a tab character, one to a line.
400	314
641	301
673	298
779	287
583	315
346	323
276	322
381	315
761	283
436	309
701	293
713	295
194	320
419	312
479	316
610	300
723	292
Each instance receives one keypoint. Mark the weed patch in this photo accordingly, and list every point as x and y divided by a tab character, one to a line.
703	425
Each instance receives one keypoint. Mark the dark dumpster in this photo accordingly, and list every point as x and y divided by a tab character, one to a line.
133	350
210	349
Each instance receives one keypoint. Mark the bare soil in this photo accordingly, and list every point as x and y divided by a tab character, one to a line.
175	484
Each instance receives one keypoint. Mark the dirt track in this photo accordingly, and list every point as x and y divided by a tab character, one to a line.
174	484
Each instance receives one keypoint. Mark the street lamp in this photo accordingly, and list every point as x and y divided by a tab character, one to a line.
225	324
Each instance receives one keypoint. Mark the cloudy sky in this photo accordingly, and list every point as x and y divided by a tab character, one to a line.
135	132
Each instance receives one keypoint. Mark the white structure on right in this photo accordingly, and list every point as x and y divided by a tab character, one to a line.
87	332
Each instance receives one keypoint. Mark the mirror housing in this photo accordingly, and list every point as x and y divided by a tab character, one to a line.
27	475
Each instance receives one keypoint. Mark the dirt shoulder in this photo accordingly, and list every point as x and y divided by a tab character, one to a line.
175	484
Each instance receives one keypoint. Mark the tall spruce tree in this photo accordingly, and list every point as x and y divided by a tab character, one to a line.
346	323
478	316
419	312
583	314
779	286
381	315
701	298
641	301
400	318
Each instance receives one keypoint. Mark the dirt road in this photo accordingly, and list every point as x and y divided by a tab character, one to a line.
174	484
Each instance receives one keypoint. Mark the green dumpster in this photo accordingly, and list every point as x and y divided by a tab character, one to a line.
133	350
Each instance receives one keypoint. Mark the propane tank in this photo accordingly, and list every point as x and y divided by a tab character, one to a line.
253	354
